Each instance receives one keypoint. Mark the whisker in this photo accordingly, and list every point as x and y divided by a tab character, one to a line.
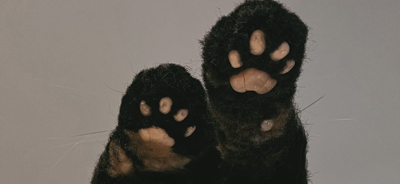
113	89
65	87
62	145
312	103
91	133
131	66
344	119
72	147
80	135
332	119
40	151
109	110
73	89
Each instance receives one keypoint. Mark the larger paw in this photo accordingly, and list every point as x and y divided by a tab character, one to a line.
252	59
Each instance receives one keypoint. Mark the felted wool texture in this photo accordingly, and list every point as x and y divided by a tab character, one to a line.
227	145
276	156
150	85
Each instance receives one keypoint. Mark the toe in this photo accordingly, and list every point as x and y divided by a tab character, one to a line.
234	59
165	105
281	52
257	42
190	131
181	115
145	109
266	125
289	65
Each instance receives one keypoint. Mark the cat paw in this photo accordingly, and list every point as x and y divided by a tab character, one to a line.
251	61
167	98
158	134
252	79
163	123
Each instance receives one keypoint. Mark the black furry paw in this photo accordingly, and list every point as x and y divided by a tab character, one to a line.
252	59
163	131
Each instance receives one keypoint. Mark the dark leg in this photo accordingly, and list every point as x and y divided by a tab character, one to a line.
252	59
164	132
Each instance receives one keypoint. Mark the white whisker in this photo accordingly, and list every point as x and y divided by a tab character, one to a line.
72	147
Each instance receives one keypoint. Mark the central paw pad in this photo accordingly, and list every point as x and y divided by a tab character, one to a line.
252	80
155	134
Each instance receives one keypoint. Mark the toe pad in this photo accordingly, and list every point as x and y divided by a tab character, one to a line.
145	109
165	105
281	52
257	42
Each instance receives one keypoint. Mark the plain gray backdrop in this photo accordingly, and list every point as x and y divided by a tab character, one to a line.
64	65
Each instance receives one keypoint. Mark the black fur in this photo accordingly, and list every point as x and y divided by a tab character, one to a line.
275	159
230	121
166	80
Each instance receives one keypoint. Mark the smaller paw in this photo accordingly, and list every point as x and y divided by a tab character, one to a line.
163	123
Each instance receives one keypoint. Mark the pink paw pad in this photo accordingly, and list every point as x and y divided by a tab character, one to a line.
158	134
253	79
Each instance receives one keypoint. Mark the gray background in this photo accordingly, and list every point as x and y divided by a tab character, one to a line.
64	65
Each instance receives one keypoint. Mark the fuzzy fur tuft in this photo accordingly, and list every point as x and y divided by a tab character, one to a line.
251	156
